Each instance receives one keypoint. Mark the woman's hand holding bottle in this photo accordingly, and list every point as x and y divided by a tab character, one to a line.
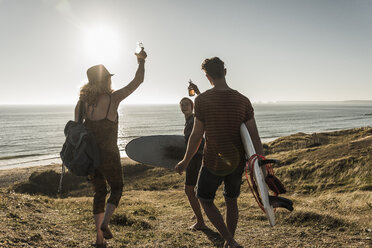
140	52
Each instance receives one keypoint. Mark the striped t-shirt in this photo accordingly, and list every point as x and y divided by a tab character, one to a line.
222	112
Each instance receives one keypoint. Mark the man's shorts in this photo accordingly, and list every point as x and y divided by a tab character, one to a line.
192	171
208	184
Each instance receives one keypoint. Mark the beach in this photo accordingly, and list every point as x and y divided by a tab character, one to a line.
327	175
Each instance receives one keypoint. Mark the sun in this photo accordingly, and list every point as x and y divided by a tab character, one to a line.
101	44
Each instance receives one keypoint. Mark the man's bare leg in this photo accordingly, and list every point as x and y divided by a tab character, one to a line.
214	215
232	214
194	203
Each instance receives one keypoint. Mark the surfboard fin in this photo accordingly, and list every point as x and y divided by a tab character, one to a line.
271	180
275	184
281	202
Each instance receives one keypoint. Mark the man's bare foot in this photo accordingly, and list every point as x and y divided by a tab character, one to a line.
106	232
198	226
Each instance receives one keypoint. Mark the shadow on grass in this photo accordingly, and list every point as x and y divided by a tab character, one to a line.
46	183
309	218
126	220
214	237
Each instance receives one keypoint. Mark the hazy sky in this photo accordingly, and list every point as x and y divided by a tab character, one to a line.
273	50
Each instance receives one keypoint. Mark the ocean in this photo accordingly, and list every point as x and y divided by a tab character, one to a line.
33	135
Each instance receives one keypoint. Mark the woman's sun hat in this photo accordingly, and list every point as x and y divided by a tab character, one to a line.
98	73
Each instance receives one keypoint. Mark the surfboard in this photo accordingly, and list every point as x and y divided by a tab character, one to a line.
157	150
258	175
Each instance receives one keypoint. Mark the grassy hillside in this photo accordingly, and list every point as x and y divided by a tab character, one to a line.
339	161
328	176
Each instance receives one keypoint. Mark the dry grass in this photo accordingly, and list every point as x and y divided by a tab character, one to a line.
329	183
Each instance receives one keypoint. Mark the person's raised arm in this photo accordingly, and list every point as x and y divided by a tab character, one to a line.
124	92
253	132
192	146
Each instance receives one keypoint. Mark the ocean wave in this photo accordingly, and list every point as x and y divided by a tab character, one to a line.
20	156
24	161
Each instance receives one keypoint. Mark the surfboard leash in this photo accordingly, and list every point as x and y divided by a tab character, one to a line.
250	167
270	174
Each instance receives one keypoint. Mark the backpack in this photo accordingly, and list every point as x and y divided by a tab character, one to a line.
80	152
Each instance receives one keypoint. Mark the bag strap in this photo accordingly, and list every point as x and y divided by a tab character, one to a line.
81	112
108	109
61	178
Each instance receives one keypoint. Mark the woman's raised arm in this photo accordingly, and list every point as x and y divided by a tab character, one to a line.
124	92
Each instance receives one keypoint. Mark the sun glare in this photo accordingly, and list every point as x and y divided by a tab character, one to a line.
101	44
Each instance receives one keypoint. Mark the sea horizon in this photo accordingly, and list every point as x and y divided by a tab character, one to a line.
352	101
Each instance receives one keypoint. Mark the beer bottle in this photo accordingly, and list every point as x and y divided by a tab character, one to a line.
191	89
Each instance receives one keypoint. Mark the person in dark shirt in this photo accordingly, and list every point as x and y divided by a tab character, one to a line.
187	105
219	112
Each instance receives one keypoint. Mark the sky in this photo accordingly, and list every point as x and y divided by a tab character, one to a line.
277	50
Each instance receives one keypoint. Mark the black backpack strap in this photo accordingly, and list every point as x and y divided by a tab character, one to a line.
108	109
81	111
61	178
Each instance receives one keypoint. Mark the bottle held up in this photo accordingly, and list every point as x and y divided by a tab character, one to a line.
191	89
140	53
139	47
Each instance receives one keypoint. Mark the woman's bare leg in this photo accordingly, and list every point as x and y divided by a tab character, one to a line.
98	218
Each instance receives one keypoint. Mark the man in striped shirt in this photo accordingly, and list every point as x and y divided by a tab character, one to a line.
219	112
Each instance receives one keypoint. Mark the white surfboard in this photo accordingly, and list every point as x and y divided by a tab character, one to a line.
258	174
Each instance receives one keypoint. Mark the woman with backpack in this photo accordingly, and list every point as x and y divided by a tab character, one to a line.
101	119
